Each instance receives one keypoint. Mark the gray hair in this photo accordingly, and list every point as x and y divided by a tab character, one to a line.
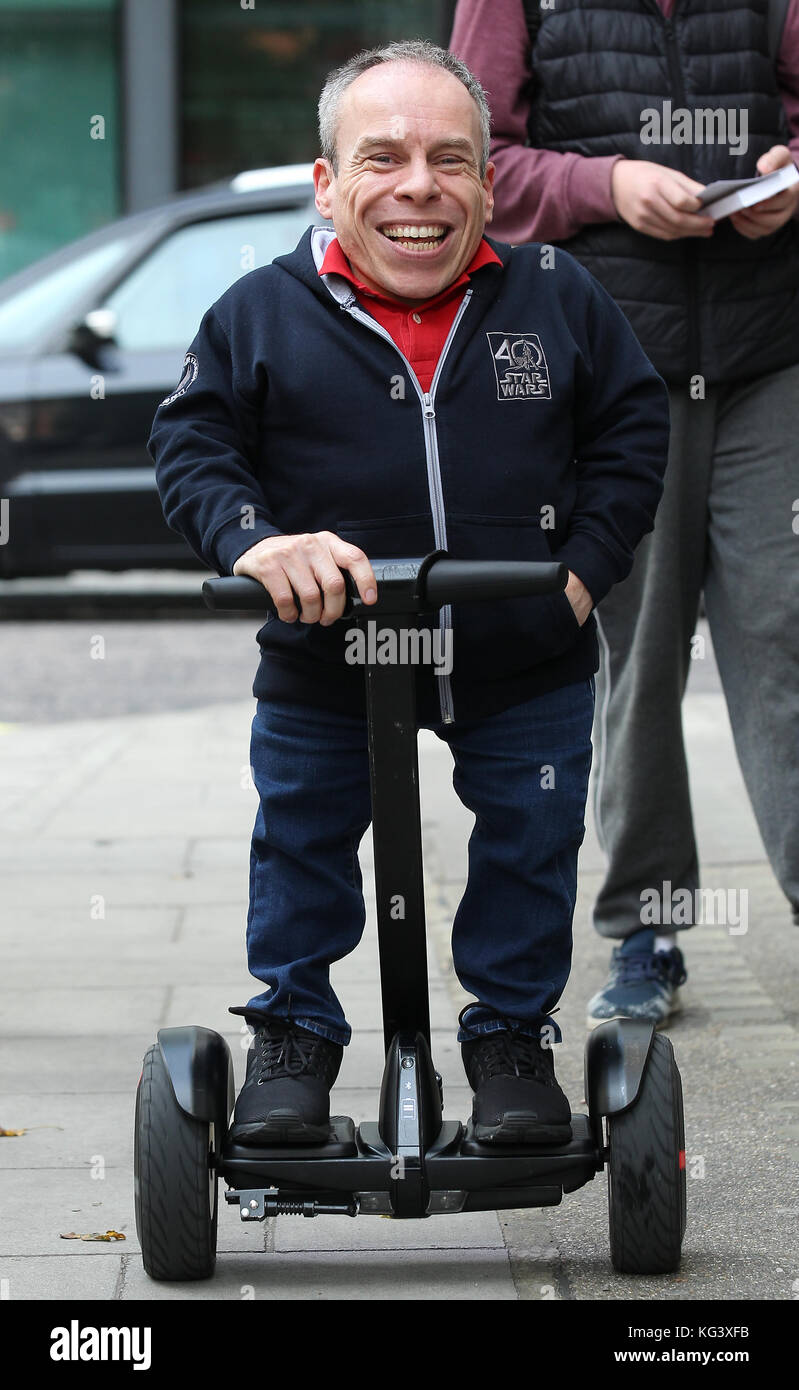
404	51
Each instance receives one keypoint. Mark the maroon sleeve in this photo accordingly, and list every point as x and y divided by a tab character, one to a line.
788	75
541	195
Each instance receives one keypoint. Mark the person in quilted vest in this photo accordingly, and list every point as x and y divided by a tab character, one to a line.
608	119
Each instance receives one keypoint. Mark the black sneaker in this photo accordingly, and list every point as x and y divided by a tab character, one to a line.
517	1099
286	1096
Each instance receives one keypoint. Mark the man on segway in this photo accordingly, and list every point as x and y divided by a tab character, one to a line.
400	384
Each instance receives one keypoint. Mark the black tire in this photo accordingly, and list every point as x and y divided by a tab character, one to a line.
176	1191
646	1171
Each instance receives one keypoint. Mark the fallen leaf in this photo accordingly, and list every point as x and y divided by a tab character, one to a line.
93	1235
7	1133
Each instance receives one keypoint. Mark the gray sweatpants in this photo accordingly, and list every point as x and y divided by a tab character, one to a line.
728	523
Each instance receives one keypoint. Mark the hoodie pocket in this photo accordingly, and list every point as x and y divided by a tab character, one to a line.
391	537
384	537
503	637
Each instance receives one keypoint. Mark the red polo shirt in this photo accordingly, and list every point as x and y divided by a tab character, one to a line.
420	331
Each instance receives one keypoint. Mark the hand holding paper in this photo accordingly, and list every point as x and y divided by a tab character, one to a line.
752	214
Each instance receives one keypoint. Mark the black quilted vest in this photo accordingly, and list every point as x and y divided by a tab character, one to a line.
727	308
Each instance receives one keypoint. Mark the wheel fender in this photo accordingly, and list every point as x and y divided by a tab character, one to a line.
616	1055
200	1068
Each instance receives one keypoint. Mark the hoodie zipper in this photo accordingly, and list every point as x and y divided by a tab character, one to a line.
427	399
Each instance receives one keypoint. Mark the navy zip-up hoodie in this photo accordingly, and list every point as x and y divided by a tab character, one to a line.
544	435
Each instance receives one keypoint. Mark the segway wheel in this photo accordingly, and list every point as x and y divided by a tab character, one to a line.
175	1180
646	1171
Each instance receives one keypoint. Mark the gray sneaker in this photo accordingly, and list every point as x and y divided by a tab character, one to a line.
642	983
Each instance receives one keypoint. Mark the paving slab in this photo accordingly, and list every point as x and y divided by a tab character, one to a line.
67	1199
397	1275
53	1278
76	1065
47	928
112	965
73	892
81	1010
91	1132
100	855
465	1231
198	813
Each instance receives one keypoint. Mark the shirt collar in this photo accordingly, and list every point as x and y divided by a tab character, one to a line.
335	262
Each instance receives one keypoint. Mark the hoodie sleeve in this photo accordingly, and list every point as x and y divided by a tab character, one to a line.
621	435
204	443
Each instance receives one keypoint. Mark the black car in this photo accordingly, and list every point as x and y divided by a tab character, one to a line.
91	339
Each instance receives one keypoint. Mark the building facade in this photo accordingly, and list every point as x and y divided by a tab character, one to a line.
108	106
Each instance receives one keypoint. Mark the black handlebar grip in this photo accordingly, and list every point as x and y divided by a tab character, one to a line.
456	581
239	591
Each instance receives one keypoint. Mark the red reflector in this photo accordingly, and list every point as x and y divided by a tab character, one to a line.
681	1160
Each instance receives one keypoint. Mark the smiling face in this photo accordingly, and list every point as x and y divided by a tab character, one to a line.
408	203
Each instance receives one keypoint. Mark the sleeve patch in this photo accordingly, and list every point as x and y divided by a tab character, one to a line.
189	374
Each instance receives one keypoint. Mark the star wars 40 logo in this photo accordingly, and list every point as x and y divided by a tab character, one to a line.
520	367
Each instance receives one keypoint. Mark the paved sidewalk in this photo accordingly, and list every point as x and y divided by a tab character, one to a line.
124	859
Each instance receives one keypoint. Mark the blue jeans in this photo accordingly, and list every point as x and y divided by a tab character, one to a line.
524	774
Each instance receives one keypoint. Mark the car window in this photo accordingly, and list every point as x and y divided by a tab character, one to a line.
25	315
160	304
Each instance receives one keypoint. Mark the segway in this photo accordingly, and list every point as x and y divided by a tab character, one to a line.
410	1163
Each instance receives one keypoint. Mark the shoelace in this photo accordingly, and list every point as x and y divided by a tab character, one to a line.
510	1053
663	966
286	1054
